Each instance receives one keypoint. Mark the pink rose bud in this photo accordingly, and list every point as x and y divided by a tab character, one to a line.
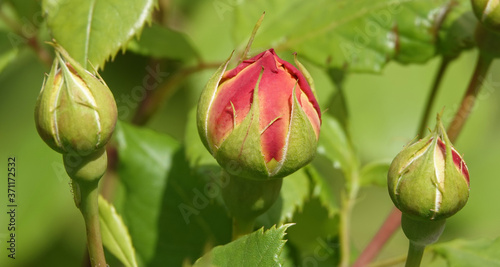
261	117
429	179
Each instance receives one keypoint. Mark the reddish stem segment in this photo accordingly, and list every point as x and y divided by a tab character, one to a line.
385	232
482	66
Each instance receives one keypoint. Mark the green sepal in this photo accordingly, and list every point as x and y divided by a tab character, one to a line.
456	191
242	147
301	142
404	187
44	124
306	74
207	97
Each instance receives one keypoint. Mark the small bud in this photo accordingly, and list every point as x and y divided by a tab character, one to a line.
488	13
75	111
428	179
263	115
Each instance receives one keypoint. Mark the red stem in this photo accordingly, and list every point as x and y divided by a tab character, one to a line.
391	224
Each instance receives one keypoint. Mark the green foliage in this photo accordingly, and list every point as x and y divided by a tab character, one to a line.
294	192
98	29
457	31
335	145
463	253
257	249
165	205
163	182
375	173
161	42
115	236
342	34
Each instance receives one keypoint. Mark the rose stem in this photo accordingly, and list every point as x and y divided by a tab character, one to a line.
482	65
88	193
415	253
348	201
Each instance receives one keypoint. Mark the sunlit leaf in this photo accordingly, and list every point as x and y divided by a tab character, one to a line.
362	35
95	30
260	248
115	236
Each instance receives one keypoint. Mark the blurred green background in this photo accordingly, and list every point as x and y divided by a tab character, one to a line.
384	112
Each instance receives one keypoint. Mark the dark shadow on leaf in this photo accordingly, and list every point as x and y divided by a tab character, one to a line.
192	219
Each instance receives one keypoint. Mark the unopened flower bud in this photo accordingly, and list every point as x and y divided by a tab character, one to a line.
75	111
429	179
263	115
488	13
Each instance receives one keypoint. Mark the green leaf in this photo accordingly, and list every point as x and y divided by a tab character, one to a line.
375	173
323	190
362	35
462	253
172	212
294	192
160	42
115	236
334	145
145	158
95	30
256	249
456	33
313	228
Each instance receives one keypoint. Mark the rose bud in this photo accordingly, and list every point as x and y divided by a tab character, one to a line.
429	179
488	13
75	111
261	116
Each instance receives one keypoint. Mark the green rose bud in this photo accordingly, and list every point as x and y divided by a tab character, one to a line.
488	13
428	179
75	111
263	115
